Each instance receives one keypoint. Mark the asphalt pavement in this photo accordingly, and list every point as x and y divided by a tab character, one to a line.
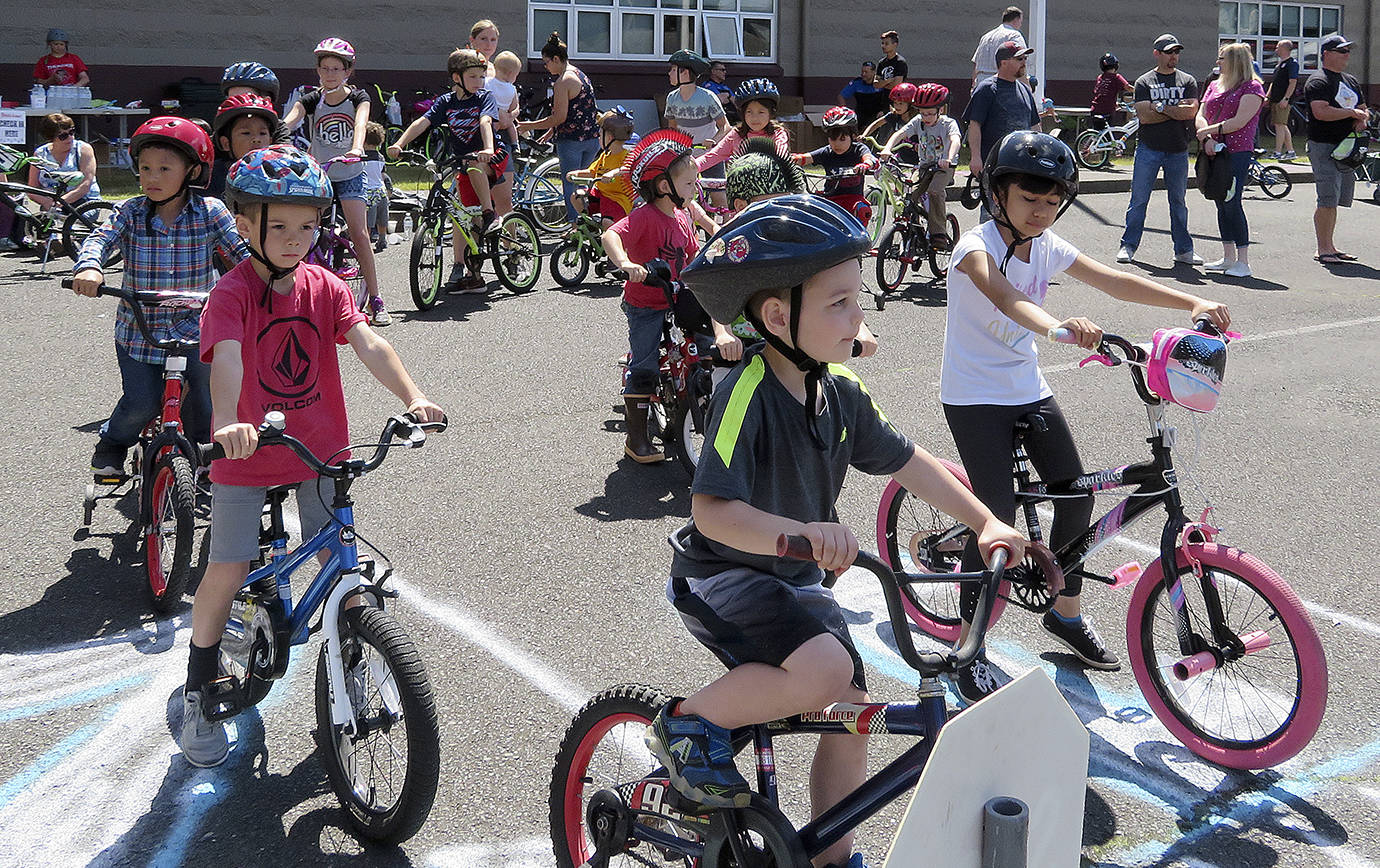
531	558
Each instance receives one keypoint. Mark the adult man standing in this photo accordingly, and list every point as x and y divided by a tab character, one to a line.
1282	84
985	57
1166	104
892	68
1338	107
869	100
1000	105
717	84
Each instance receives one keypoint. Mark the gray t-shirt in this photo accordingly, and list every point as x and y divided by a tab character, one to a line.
757	449
1000	107
697	116
1169	136
332	130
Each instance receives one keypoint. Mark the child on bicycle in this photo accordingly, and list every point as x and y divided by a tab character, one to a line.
844	159
756	100
270	301
337	115
999	276
936	142
244	122
468	113
784	429
168	237
662	171
609	199
902	112
376	186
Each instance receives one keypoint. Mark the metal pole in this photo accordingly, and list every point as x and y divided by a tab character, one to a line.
1036	42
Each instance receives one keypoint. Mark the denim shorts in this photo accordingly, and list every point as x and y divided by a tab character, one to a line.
235	512
350	188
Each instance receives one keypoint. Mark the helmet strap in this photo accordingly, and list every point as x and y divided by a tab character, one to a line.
811	368
275	273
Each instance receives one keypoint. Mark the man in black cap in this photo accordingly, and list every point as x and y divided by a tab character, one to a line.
1338	107
1166	104
1001	104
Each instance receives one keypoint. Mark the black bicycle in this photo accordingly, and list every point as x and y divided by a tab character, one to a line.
906	242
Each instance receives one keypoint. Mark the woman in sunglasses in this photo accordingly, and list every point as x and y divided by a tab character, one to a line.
68	153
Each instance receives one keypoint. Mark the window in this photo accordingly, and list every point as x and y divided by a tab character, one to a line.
653	29
1263	25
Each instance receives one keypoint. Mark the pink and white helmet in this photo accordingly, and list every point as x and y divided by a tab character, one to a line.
1187	367
337	47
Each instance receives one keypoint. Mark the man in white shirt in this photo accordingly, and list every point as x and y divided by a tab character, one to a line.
985	57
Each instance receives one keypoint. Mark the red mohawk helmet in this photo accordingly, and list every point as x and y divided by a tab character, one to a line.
181	135
653	155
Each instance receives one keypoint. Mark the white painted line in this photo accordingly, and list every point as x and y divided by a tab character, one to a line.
526	853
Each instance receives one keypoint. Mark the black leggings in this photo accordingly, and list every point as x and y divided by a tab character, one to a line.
984	434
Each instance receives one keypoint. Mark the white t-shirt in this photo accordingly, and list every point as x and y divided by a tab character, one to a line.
988	358
504	92
932	141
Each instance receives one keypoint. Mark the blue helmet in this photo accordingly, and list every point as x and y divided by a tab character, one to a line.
249	73
57	35
278	174
757	89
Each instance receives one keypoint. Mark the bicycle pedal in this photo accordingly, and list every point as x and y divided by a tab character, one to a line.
108	479
221	698
1127	574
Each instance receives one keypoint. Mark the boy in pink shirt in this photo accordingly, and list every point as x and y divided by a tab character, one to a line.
269	331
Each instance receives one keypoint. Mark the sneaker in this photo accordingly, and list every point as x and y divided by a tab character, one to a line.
381	245
108	459
978	680
1237	269
1082	640
204	743
469	284
1189	258
1219	265
698	757
1125	254
7	245
1287	156
378	312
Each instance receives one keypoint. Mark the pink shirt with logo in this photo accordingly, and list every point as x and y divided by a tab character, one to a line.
287	343
648	234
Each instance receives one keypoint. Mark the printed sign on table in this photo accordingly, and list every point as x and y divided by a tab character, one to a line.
12	127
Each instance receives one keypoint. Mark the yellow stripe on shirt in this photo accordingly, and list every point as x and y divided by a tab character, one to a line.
731	425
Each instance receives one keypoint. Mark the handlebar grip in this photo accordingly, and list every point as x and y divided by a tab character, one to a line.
1061	335
794	546
209	452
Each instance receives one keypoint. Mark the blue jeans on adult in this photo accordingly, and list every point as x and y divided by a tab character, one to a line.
574	155
143	400
1231	214
1147	168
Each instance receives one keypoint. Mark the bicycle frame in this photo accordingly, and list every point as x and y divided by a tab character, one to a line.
461	216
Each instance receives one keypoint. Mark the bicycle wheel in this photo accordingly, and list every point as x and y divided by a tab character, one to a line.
543	199
87	218
428	254
391	134
603	748
516	252
168	537
914	537
891	270
939	257
569	264
690	426
385	774
1253	712
1086	149
1274	182
876	199
764	837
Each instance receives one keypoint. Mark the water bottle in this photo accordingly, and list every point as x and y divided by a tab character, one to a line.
38	97
407	225
394	110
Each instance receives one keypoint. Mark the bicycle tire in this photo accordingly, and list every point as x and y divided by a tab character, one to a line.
891	270
168	540
1295	652
372	642
689	435
765	837
603	747
569	264
391	134
425	264
904	518
544	200
516	253
85	219
1084	152
1274	182
939	258
876	200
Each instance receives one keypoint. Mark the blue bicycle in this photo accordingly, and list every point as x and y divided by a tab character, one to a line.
376	724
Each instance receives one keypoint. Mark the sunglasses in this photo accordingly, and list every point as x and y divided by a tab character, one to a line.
1340	50
1171	51
840	135
64	135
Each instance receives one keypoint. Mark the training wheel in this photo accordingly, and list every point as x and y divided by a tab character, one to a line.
88	504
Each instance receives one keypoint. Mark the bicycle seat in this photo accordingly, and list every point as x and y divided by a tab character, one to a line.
1031	423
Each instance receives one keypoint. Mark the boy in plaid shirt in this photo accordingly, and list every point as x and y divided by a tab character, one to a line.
168	238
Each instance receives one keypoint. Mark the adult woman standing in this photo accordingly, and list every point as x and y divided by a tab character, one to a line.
68	153
1228	116
484	39
574	116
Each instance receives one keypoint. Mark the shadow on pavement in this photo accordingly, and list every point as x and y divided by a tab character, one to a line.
641	491
1352	269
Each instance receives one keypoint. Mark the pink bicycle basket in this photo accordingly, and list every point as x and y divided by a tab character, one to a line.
1187	368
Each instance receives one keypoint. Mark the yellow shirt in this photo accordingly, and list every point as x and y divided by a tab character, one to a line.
616	190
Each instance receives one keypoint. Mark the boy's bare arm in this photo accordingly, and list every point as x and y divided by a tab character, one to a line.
414	129
227	374
746	528
382	361
928	480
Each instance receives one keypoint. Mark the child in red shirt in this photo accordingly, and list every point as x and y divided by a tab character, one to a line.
269	332
60	66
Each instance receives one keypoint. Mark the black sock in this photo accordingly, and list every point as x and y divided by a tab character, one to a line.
202	665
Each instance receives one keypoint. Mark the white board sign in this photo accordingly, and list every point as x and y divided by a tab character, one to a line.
11	127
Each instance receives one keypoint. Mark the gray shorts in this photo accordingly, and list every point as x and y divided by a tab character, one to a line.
747	616
235	512
1334	186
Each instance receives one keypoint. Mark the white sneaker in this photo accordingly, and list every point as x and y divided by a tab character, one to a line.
1219	265
1125	254
1189	258
1238	269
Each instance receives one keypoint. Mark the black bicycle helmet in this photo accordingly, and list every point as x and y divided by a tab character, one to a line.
1109	61
1028	153
690	60
249	73
761	171
757	89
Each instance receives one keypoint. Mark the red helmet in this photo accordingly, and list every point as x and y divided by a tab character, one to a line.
903	92
244	105
840	117
180	134
653	156
929	96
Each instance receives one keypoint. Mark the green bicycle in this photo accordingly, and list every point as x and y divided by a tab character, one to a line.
571	259
62	226
512	244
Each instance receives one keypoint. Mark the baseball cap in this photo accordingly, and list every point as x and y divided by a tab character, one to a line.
1167	41
1334	42
1012	49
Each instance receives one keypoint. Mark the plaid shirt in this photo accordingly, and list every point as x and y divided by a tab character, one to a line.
169	258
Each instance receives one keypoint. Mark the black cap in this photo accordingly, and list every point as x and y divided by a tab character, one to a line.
1334	42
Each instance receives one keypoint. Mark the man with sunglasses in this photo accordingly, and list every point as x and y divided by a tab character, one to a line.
1337	106
1166	104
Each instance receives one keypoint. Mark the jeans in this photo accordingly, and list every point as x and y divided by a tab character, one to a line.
574	155
644	343
1231	214
1147	168
143	400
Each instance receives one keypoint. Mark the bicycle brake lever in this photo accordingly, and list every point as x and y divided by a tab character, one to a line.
1102	358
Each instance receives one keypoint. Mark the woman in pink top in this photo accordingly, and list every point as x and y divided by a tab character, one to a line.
1228	117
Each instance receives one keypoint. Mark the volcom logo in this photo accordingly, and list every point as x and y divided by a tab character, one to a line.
291	370
292	362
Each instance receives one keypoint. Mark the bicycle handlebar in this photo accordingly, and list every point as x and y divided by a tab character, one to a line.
928	663
157	298
273	431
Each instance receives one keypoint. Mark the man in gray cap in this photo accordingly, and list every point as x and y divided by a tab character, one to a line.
1166	104
59	66
1338	106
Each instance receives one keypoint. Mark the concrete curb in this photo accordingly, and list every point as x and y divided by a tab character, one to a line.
1120	181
